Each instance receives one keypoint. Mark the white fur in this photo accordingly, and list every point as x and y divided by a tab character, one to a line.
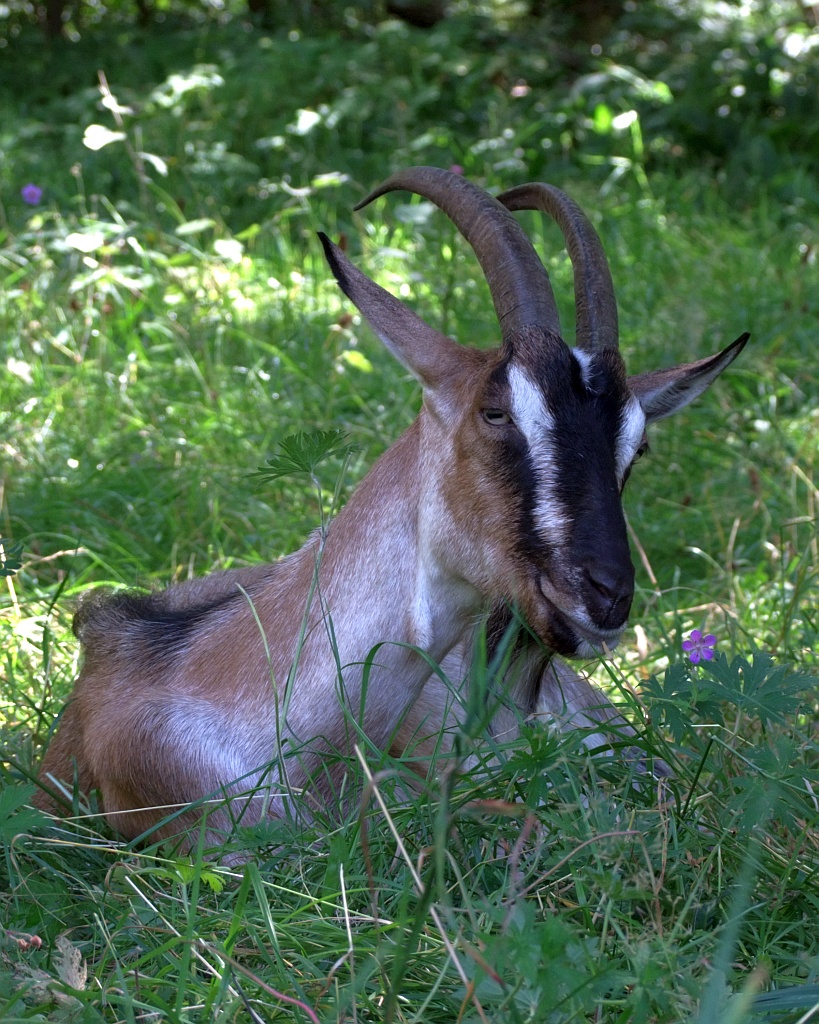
536	424
585	360
629	435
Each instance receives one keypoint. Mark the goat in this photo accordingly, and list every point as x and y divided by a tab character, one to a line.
502	499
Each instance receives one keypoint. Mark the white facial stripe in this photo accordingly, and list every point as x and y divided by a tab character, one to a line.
632	427
535	422
528	408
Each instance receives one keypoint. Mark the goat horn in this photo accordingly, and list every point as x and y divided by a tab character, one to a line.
517	280
595	305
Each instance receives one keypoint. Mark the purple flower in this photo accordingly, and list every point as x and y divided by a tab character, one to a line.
456	169
699	647
32	194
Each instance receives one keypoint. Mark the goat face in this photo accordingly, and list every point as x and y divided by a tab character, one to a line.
528	447
553	434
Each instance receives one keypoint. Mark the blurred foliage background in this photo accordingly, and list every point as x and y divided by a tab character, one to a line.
604	87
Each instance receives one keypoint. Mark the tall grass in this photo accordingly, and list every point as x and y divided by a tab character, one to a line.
160	338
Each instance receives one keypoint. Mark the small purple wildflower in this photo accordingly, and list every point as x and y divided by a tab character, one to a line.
699	647
32	194
456	169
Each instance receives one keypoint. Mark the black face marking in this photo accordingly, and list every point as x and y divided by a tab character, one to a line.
571	523
586	406
586	435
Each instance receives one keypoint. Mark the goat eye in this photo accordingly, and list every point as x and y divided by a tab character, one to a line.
641	450
496	417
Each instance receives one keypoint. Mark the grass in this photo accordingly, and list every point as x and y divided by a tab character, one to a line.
153	364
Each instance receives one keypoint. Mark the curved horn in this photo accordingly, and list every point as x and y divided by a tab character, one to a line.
595	305
517	280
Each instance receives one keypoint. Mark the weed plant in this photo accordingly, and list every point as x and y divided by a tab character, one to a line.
167	321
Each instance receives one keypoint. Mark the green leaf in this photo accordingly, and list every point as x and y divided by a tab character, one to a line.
10	558
797	997
678	699
192	227
188	872
603	118
247	235
158	164
332	179
14	817
760	689
352	357
97	136
302	453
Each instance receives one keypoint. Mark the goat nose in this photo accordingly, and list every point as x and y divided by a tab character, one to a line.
609	593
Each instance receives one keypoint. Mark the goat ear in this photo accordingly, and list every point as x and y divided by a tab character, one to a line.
429	355
664	392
